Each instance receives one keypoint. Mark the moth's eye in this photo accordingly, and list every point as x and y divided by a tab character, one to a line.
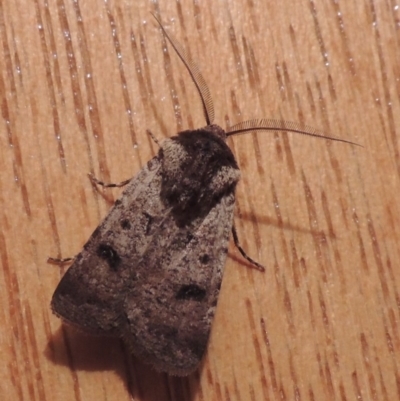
191	291
108	253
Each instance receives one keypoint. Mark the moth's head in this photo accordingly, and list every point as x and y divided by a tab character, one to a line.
216	130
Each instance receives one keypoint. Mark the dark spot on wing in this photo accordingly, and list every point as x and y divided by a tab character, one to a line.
204	259
108	253
191	292
126	224
148	223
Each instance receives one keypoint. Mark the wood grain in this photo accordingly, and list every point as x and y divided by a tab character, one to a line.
80	83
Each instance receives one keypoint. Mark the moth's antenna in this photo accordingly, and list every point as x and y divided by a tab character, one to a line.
265	124
195	74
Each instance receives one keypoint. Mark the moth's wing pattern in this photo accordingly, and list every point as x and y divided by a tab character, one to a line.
170	307
150	276
90	294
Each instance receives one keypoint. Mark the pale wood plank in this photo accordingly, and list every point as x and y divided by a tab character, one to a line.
322	322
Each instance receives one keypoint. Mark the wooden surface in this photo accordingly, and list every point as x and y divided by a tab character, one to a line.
81	82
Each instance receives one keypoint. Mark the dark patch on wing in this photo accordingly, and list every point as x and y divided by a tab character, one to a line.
108	253
126	224
204	259
191	292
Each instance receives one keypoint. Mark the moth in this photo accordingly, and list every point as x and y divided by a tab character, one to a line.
151	272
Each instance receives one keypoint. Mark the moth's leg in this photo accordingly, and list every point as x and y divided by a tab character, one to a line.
153	137
58	261
244	254
110	185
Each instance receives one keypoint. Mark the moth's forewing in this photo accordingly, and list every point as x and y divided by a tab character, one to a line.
170	310
91	293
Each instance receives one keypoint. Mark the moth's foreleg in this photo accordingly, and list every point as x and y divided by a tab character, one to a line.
95	181
244	254
153	137
59	261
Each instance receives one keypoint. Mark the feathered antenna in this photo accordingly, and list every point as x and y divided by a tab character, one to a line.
262	124
265	124
194	71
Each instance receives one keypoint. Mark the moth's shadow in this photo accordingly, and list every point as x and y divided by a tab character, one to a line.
84	353
272	222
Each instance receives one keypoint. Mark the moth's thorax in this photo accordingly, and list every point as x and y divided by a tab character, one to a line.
198	168
205	147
